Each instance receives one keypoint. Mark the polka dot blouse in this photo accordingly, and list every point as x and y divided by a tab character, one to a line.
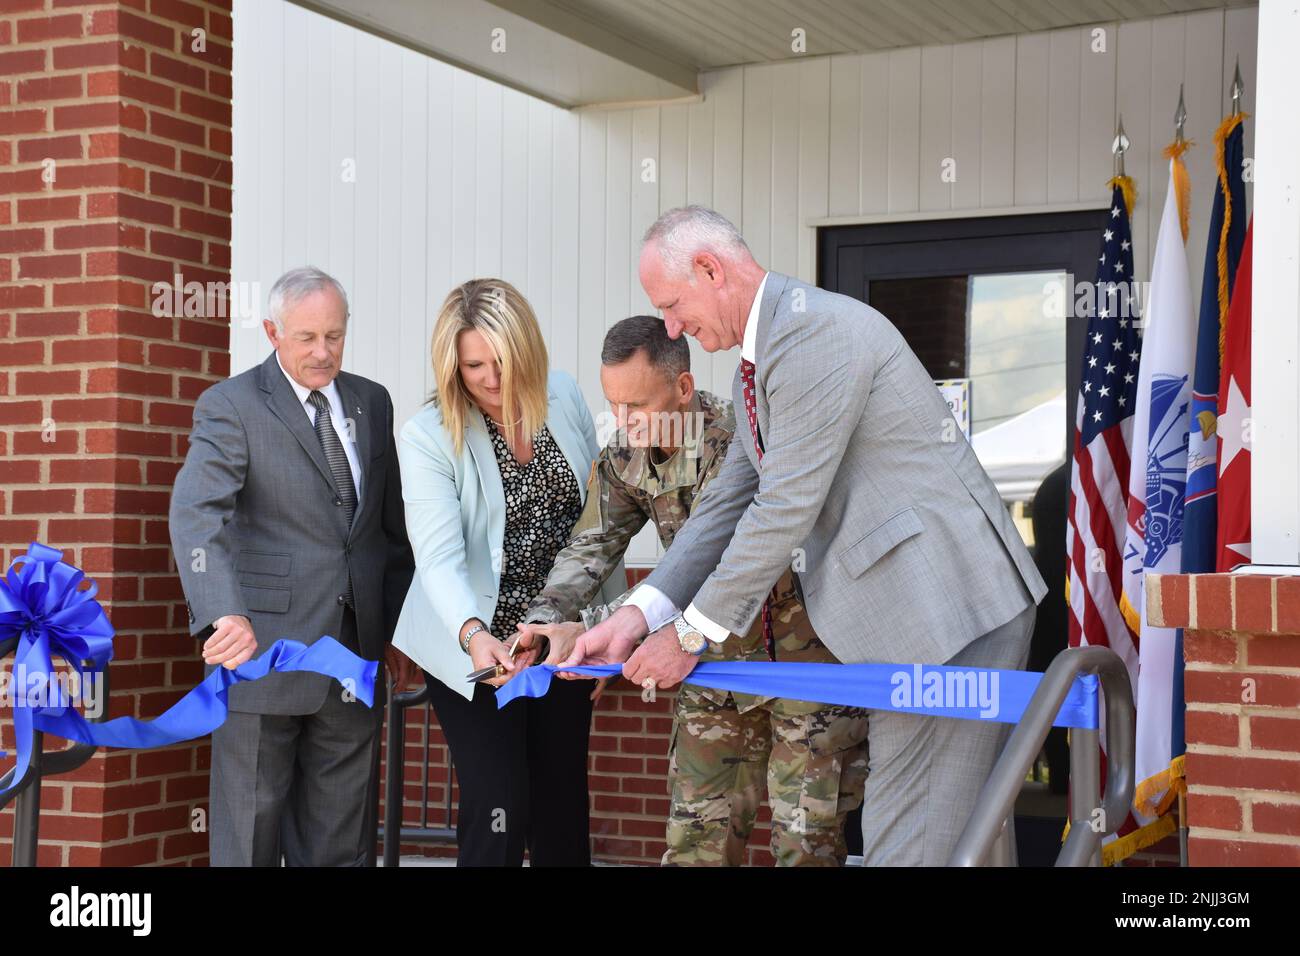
543	503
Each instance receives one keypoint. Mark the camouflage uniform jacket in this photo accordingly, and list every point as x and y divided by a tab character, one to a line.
624	491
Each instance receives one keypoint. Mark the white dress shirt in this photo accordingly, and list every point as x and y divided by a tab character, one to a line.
654	604
342	427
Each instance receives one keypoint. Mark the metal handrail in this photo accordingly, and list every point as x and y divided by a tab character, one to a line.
26	796
392	833
997	799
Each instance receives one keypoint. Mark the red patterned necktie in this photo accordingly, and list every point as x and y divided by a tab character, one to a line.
747	387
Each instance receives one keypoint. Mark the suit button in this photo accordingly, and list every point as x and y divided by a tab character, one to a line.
338	501
340	598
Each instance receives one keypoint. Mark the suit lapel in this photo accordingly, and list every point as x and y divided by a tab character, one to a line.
489	475
742	420
284	405
567	439
772	292
362	429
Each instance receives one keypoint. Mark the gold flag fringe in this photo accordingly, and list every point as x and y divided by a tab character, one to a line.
1220	136
1128	188
1182	182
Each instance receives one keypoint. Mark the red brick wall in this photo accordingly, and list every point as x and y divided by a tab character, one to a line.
1242	648
114	173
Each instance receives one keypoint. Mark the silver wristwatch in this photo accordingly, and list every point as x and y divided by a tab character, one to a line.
688	638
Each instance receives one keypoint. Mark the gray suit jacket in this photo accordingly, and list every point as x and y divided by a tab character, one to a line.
904	549
255	500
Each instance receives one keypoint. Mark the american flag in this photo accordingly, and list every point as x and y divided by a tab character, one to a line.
1099	475
1103	421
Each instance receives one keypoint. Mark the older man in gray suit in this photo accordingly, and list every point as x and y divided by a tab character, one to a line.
853	466
287	521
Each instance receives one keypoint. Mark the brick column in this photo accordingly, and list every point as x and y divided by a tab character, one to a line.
115	162
1242	648
627	774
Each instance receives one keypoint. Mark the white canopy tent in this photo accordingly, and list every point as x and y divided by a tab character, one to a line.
1019	453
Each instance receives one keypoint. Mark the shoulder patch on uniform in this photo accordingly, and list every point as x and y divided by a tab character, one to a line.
592	517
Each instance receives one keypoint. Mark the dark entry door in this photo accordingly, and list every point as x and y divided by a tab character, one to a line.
919	274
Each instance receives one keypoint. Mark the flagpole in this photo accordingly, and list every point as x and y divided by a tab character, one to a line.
1119	147
1180	123
1099	480
1200	513
1156	493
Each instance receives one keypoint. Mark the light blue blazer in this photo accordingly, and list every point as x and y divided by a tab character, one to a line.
455	519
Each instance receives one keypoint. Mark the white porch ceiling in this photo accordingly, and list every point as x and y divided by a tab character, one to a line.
578	53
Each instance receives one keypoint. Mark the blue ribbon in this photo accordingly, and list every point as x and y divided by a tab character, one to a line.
993	694
44	606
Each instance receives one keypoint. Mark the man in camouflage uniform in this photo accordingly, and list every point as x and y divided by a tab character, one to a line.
671	442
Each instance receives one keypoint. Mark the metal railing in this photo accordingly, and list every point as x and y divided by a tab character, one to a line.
398	705
26	796
1089	822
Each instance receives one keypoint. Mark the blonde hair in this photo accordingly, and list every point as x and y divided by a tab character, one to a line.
497	311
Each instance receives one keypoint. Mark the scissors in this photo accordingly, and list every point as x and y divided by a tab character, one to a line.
494	670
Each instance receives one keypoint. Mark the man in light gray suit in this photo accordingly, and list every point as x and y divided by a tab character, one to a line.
287	522
853	469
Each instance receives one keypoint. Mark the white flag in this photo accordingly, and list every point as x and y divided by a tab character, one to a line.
1157	486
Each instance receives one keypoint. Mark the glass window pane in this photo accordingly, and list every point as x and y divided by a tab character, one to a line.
1001	332
1017	347
931	314
1017	371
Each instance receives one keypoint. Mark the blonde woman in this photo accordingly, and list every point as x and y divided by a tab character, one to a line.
494	475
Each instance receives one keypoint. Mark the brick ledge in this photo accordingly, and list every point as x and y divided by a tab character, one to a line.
1253	604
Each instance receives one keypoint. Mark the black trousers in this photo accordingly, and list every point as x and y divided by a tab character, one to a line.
522	772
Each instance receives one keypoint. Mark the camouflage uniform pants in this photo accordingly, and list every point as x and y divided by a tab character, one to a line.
812	758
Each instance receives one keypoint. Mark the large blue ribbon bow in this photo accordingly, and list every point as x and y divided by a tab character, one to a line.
43	605
969	693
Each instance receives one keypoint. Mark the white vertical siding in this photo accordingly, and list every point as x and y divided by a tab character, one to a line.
456	176
1064	92
844	140
935	119
903	168
967	129
997	133
814	170
1096	93
1034	69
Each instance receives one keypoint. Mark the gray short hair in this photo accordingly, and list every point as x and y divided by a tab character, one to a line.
297	284
682	232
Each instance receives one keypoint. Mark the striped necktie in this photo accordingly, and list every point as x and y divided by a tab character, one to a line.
338	462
